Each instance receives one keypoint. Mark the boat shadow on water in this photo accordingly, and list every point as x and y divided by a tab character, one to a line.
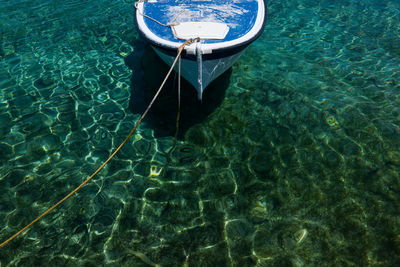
148	73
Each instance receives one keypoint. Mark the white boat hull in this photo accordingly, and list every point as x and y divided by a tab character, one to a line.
222	30
210	69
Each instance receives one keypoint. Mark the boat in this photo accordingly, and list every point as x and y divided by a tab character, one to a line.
220	30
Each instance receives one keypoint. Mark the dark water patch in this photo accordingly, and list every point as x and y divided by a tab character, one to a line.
164	112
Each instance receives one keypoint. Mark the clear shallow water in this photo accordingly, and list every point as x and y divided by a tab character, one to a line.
293	161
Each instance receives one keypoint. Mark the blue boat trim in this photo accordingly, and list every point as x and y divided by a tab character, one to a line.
240	16
162	36
220	53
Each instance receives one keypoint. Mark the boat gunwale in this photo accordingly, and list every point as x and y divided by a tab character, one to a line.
220	47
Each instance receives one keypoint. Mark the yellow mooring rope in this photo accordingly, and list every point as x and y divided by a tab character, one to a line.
180	49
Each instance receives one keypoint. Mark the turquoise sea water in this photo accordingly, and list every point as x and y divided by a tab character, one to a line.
293	159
